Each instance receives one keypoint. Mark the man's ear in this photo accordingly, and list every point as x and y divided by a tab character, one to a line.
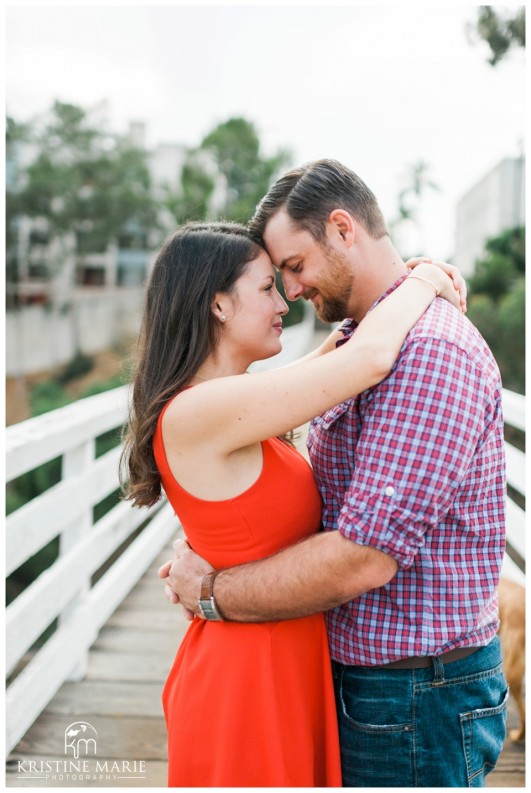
343	226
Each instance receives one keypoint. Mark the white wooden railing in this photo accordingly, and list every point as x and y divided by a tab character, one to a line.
514	563
64	590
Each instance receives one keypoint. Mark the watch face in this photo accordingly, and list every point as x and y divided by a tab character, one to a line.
209	611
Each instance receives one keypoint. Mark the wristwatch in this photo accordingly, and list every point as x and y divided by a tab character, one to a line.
207	603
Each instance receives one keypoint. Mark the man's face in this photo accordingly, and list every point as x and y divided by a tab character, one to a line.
316	272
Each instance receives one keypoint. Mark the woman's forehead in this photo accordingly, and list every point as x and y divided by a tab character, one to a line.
261	266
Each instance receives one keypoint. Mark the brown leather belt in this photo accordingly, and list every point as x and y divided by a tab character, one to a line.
426	661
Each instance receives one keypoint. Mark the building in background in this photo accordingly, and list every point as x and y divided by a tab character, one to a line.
496	203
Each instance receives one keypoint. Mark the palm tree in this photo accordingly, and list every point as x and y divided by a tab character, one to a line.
417	184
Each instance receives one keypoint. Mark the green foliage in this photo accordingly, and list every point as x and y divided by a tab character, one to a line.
229	155
493	276
31	569
482	312
30	485
502	266
501	31
512	337
510	243
78	366
44	397
99	388
84	180
497	303
236	149
197	187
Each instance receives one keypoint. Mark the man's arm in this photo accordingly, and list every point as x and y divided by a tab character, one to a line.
419	435
312	576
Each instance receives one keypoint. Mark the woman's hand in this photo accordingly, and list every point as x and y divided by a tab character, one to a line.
450	270
164	572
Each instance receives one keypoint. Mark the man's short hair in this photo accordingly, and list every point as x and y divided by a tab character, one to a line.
310	193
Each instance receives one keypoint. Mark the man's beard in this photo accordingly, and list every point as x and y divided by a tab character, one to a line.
335	289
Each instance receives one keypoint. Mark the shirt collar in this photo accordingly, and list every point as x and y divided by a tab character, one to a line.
348	326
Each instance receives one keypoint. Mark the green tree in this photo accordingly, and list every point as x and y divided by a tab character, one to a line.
16	134
501	31
418	184
235	148
226	175
502	266
511	314
84	180
197	186
497	303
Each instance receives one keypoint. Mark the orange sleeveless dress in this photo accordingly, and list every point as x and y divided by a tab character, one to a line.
251	705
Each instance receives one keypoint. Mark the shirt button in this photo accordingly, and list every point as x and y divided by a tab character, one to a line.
389	491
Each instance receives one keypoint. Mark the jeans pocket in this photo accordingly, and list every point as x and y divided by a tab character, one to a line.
483	731
377	746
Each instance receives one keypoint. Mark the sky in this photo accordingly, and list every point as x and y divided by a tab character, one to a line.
379	87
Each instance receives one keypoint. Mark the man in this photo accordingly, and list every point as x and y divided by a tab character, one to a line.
412	478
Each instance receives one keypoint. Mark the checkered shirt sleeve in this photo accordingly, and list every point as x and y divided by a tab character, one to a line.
420	432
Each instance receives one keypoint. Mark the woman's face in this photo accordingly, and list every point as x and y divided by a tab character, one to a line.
254	322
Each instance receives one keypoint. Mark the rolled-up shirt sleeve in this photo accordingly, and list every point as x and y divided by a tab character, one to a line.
421	428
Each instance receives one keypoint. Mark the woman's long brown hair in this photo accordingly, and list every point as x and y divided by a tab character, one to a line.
178	332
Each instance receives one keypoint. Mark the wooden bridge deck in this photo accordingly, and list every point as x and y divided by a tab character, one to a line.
120	698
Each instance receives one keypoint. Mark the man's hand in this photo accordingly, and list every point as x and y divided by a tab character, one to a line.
183	576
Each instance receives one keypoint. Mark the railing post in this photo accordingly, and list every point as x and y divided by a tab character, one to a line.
76	461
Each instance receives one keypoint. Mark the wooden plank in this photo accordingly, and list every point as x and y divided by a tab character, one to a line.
37	440
40	520
156	601
514	409
150	666
118	737
108	698
40	680
45	598
511	571
515	460
516	527
166	619
151	588
132	640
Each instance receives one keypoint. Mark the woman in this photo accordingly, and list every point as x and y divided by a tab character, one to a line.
245	704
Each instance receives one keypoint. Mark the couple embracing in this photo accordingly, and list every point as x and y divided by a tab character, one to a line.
343	616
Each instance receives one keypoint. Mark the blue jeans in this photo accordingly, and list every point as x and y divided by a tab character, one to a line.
442	726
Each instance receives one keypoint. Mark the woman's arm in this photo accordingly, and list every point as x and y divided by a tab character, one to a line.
451	270
229	413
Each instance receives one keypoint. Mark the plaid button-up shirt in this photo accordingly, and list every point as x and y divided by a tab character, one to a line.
415	467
